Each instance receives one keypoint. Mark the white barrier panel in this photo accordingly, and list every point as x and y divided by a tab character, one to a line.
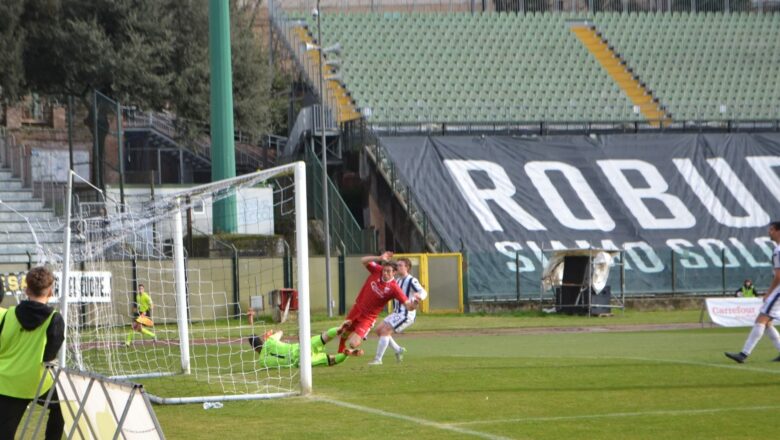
96	408
734	312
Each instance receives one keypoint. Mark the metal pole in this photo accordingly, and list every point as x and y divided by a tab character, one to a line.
181	290
121	148
223	152
70	131
325	204
302	253
517	275
342	280
95	143
723	269
64	288
674	273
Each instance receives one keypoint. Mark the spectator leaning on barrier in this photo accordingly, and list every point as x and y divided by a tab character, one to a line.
748	290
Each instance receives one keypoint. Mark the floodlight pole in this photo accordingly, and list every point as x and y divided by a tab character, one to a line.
325	204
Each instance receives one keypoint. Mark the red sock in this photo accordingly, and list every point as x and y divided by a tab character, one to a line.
342	345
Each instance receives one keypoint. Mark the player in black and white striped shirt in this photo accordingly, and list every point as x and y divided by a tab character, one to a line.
401	318
771	308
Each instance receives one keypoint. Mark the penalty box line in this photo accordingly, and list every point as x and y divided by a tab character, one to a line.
671	412
415	420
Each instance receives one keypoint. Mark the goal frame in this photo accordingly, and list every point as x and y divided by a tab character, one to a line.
298	170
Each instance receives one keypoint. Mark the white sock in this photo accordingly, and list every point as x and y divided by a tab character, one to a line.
394	344
753	338
774	336
381	347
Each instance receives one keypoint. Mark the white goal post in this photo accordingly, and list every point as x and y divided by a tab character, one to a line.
195	348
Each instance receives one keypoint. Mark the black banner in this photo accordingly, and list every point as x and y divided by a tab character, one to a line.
690	211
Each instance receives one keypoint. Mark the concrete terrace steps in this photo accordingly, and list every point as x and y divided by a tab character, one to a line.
26	211
20	206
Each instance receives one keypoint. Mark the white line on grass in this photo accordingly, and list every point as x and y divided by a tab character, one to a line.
701	364
443	426
729	366
682	412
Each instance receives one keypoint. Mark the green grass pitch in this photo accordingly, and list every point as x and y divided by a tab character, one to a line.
457	383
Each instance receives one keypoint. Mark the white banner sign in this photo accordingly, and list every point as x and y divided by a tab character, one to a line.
86	287
734	312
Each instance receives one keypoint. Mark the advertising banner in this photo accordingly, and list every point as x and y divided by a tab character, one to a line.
733	312
689	210
84	286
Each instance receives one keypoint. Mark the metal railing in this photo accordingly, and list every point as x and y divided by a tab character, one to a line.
304	58
40	170
535	6
362	136
167	126
571	127
345	230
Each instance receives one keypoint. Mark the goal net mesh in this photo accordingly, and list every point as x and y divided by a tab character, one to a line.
115	248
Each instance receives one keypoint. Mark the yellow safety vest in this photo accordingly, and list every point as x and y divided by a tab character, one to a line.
21	358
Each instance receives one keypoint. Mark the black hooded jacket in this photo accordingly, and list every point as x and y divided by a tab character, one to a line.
31	315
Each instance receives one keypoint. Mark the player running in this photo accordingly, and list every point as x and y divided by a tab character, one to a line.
142	316
379	288
770	310
274	353
401	318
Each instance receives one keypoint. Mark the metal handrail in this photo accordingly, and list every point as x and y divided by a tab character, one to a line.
343	225
166	125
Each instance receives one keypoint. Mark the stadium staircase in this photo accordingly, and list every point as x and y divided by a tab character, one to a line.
622	74
19	205
336	96
161	134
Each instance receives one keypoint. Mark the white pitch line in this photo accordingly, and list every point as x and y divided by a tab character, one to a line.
442	426
682	412
730	366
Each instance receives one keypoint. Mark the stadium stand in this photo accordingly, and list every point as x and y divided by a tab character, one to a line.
703	66
450	67
413	67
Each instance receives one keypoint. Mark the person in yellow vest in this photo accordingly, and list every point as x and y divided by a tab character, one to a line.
2	309
30	334
143	308
747	290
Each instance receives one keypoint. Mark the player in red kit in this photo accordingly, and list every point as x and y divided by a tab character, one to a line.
377	290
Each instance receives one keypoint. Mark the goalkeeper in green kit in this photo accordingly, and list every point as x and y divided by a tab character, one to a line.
142	316
275	353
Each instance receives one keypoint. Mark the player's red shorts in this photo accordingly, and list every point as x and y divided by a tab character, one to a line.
361	324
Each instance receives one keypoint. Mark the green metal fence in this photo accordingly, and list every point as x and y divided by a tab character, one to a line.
346	233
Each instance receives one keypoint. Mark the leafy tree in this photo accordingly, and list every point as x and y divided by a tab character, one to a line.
190	64
150	53
11	37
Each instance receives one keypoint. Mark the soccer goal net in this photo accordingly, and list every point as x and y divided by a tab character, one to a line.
160	286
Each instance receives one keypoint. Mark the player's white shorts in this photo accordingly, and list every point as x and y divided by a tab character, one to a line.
771	305
400	321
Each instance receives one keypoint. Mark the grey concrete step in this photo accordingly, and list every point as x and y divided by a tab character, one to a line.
15	194
20	248
19	225
10	183
8	215
26	205
5	174
20	258
27	237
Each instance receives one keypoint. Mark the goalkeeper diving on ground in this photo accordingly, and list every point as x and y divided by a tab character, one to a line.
274	353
